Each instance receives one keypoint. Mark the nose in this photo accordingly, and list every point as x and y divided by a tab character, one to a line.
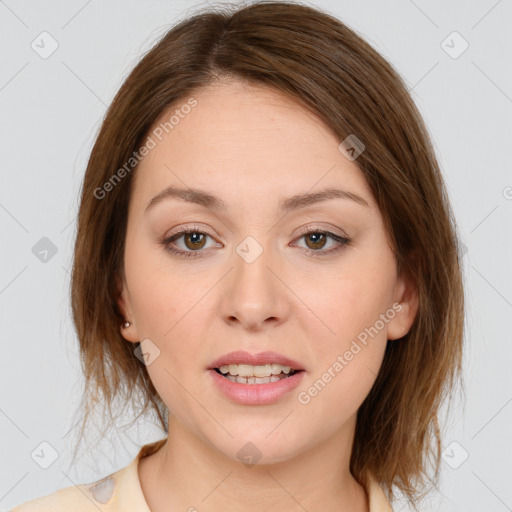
255	295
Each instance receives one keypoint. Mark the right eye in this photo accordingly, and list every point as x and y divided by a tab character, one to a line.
193	238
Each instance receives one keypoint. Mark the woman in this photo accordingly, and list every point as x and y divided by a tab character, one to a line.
266	253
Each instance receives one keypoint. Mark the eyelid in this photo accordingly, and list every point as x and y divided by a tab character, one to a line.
183	230
309	229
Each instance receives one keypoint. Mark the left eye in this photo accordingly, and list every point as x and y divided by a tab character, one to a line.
318	237
195	240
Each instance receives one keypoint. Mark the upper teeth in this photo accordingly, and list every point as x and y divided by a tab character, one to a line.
248	370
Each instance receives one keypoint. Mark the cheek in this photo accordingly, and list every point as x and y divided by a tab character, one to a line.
351	337
348	359
166	305
349	304
156	295
168	377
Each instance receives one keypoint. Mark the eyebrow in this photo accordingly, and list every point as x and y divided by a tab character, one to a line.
286	205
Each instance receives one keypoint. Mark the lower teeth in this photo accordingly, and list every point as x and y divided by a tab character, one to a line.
255	380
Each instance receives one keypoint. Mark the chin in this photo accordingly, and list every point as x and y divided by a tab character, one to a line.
256	447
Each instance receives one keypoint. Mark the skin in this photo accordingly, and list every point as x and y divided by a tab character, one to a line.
251	147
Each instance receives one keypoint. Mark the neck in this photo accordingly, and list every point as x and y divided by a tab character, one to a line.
188	472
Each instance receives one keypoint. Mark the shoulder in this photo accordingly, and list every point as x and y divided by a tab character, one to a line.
78	498
119	491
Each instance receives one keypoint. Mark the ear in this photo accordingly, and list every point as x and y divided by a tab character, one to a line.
406	294
123	302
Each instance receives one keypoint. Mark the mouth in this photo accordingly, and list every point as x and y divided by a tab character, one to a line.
256	374
261	384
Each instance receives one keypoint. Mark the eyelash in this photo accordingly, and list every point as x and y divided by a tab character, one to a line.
341	240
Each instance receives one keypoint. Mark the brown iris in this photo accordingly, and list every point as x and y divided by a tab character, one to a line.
196	241
319	243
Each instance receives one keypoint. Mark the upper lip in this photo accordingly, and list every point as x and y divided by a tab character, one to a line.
261	358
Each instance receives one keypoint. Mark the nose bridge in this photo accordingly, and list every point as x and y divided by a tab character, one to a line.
254	293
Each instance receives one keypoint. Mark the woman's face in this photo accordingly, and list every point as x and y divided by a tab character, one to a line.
250	278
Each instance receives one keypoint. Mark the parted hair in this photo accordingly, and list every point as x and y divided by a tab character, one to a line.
329	69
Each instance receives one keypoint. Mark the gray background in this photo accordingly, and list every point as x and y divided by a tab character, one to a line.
51	110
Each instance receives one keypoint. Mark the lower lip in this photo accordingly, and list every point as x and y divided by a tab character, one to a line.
256	394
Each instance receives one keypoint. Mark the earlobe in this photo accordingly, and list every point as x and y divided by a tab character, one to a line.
129	332
127	328
399	325
407	296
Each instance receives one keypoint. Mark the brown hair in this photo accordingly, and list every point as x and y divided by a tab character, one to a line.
330	70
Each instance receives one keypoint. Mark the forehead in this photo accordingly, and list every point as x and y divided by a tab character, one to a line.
244	141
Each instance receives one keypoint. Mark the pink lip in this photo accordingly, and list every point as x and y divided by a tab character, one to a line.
256	394
242	357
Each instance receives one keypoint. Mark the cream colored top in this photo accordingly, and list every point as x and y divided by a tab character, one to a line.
121	492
